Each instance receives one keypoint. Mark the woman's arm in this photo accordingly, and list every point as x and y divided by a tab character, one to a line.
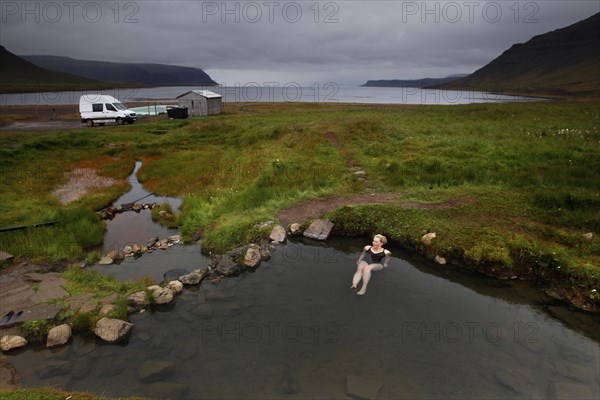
363	254
388	255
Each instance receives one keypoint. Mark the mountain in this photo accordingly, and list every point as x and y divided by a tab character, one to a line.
138	74
414	83
19	75
565	61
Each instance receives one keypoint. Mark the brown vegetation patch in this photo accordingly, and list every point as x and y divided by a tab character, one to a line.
79	182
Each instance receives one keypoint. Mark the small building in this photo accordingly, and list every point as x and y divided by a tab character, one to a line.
201	102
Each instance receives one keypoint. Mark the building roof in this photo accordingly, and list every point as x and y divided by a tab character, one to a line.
204	93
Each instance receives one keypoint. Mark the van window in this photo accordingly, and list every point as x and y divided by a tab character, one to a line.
110	107
97	107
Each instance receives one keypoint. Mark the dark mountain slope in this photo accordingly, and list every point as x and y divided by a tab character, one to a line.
139	74
564	61
19	75
415	83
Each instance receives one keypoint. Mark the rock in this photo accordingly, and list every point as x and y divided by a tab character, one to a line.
113	298
295	229
264	225
226	266
152	371
58	369
114	368
175	239
319	229
153	288
360	173
77	301
194	277
106	260
362	388
204	311
574	354
571	371
58	335
9	342
81	368
116	255
440	260
264	254
175	286
40	311
127	250
519	381
162	296
152	241
112	330
136	248
588	236
107	309
427	238
278	234
174	274
138	300
252	257
88	306
9	378
137	207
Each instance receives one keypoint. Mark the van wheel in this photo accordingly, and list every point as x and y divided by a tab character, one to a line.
119	121
89	123
101	124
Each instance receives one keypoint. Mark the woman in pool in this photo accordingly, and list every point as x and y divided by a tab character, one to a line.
373	258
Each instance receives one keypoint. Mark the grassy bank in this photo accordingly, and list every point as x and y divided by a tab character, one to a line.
521	178
51	394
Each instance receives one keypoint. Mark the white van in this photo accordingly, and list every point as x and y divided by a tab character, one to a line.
101	108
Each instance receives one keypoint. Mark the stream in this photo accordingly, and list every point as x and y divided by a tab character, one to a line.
294	329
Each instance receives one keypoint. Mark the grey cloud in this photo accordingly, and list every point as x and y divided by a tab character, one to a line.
361	40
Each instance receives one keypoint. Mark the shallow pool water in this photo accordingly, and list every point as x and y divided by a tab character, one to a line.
294	329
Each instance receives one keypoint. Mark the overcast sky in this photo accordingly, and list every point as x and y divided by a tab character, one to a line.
271	41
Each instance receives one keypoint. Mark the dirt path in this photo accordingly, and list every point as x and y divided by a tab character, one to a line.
318	207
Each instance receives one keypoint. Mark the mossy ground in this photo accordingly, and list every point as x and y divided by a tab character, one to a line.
527	170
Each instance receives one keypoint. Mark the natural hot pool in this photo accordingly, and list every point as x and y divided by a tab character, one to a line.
294	329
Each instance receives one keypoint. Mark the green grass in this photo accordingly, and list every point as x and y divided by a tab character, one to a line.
86	281
526	175
51	394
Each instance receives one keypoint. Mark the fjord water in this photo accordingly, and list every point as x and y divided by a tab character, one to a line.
329	92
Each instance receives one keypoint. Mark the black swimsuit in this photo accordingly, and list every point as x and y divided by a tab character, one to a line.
376	257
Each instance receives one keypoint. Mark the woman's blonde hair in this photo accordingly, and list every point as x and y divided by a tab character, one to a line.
381	238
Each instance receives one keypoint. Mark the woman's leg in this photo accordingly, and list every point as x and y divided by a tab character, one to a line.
366	276
358	274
